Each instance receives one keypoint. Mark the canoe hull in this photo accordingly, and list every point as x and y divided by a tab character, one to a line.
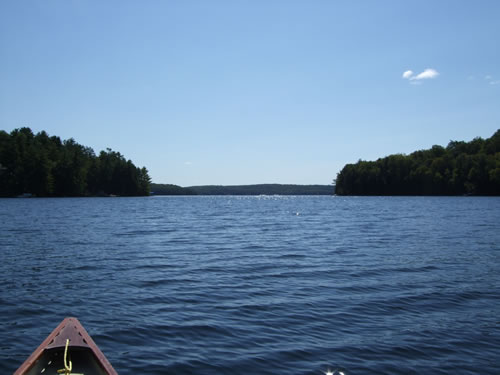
86	357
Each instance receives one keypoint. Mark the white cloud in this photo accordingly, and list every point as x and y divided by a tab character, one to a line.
407	74
489	79
426	74
492	80
188	163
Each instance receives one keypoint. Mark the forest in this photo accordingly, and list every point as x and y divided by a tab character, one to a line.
460	168
170	189
45	166
263	189
259	189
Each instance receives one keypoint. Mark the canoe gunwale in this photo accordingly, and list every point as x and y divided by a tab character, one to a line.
69	328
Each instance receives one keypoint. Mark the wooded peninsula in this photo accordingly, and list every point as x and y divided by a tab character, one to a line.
45	166
461	168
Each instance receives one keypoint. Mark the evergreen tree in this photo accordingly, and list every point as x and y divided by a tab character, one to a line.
46	166
471	168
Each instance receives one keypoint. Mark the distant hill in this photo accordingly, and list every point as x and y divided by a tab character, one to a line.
263	189
169	189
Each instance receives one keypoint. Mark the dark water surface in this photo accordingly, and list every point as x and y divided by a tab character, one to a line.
257	285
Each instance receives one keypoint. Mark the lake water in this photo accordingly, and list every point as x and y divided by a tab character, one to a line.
257	285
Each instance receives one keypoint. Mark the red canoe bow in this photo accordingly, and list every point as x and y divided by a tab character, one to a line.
83	352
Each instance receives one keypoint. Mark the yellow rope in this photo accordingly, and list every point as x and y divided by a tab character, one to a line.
68	366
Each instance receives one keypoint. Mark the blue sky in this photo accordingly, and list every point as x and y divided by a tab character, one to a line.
258	91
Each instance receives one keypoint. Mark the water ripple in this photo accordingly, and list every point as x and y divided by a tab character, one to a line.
258	285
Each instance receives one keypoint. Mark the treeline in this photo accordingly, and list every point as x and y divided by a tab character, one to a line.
263	189
461	168
46	166
170	189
